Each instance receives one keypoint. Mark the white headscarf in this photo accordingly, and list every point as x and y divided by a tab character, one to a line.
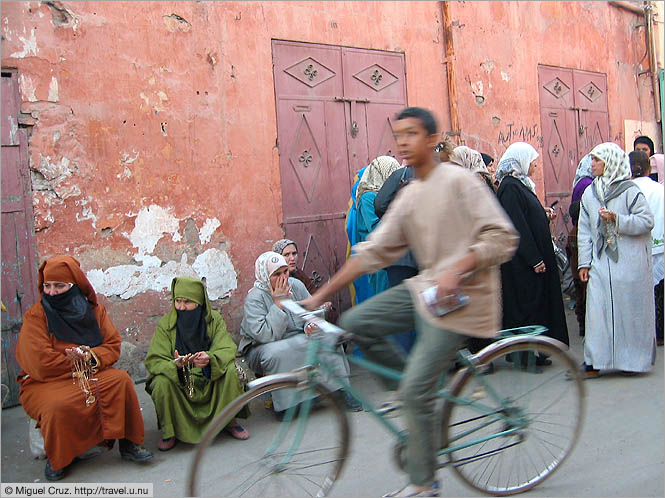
515	162
376	174
583	170
617	168
468	158
267	264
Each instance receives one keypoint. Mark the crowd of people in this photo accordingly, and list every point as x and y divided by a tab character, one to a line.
447	217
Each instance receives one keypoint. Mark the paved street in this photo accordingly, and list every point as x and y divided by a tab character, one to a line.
620	452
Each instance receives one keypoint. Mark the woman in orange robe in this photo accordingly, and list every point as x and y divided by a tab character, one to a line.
68	317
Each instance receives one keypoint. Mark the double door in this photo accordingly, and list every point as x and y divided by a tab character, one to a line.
574	119
335	107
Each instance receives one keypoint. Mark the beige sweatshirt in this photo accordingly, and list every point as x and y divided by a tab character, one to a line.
440	219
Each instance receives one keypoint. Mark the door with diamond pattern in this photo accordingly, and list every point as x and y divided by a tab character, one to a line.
573	114
334	107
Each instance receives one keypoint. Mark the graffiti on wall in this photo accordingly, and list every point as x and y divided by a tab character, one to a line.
512	133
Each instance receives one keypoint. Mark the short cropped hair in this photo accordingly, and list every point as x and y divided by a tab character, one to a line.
423	115
646	141
639	163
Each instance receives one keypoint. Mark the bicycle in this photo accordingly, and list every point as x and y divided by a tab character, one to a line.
503	430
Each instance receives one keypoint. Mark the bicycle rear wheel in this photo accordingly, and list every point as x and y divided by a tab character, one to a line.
302	457
541	413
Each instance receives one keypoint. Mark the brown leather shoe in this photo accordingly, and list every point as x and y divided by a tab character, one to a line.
166	444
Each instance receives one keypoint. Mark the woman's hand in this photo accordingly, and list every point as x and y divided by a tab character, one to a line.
81	352
584	274
200	359
607	215
550	213
281	290
180	361
309	328
540	268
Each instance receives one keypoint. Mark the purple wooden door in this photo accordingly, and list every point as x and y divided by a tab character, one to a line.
19	286
331	120
591	105
375	85
558	124
573	114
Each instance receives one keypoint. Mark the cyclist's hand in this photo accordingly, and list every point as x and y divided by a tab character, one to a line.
584	274
311	303
448	283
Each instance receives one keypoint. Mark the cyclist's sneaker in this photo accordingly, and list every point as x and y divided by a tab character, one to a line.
352	404
392	406
411	490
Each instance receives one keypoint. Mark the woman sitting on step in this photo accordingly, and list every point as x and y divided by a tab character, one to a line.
192	368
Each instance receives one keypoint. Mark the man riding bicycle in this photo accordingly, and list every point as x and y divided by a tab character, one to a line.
459	235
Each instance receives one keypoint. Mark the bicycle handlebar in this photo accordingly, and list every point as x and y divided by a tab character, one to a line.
311	317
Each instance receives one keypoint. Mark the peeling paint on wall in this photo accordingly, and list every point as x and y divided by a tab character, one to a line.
126	281
150	225
27	87
53	90
29	46
86	212
208	228
505	76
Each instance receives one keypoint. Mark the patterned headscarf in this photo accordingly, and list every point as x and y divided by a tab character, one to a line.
515	162
468	158
617	168
280	245
583	170
376	174
267	264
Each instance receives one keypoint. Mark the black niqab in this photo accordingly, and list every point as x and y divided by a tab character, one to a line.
192	333
71	318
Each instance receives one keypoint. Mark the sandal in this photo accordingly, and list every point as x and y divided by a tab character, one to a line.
166	444
237	431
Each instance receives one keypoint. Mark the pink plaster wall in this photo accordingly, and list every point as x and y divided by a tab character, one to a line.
181	94
514	37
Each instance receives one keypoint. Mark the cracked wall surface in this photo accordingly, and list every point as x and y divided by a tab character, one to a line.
153	149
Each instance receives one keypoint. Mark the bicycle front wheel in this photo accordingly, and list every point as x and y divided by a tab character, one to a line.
298	457
539	414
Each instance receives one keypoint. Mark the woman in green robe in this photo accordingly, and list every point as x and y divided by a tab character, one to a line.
191	365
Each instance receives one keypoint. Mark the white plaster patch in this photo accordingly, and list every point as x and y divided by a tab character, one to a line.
5	30
150	225
127	159
477	88
505	76
29	46
53	94
208	228
487	66
126	173
27	87
126	281
217	268
86	212
53	170
13	130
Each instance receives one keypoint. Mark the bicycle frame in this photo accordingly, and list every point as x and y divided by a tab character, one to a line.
306	378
